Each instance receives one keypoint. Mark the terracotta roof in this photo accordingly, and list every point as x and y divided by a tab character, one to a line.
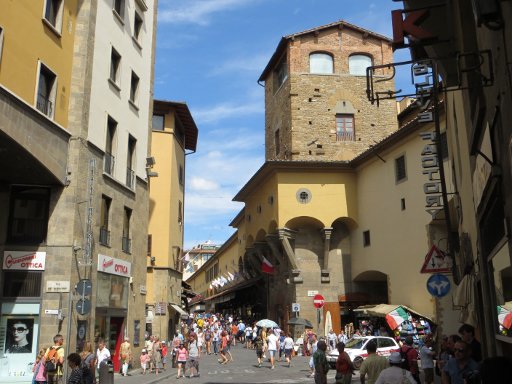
185	117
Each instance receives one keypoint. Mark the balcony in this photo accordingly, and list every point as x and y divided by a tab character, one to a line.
126	244
345	136
108	163
104	236
130	178
44	105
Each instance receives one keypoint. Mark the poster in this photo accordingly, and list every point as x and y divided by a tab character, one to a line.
136	333
81	333
19	335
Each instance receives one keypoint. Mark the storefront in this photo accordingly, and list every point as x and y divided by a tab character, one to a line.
112	303
19	321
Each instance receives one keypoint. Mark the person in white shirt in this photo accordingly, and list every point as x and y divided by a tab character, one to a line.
331	338
102	356
427	360
272	346
395	374
288	348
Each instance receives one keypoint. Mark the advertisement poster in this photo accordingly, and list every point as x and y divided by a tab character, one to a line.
136	333
81	333
19	327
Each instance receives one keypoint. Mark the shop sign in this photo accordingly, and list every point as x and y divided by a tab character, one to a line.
430	165
51	311
114	266
312	293
22	260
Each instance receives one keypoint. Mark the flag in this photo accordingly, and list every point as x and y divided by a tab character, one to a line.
187	256
266	266
231	277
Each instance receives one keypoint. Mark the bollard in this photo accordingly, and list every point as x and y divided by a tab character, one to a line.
106	372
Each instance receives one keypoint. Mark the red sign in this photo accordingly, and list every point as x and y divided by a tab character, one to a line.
409	27
436	261
318	301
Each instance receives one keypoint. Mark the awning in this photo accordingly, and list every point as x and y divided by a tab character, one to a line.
179	310
394	314
234	288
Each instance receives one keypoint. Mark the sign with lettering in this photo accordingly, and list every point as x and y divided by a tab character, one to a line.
430	164
57	286
114	266
24	261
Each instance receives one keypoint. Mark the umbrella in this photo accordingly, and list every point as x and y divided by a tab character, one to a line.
266	323
300	321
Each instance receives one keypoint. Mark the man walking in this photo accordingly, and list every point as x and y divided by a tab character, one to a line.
410	356
320	363
56	354
427	360
459	368
272	347
373	365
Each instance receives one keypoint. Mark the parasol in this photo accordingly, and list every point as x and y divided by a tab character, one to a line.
266	323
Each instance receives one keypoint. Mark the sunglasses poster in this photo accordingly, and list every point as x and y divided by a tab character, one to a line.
19	335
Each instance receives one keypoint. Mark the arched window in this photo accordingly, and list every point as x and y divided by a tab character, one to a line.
357	64
321	63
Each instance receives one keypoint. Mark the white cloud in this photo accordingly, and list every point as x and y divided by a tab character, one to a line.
202	184
227	110
196	11
255	63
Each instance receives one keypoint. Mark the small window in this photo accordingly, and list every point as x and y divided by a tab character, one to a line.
115	65
276	142
303	196
366	238
402	204
400	170
158	122
104	220
1	42
345	127
53	13
108	165
118	8
180	175
134	88
22	284
280	73
130	160
28	222
321	63
46	90
180	212
150	245
137	27
126	240
357	64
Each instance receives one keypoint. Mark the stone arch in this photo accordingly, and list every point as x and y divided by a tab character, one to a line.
272	227
260	236
304	221
374	285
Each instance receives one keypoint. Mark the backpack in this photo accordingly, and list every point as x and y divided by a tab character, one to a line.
85	366
404	353
51	364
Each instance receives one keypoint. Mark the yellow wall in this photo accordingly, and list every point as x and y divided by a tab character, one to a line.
30	40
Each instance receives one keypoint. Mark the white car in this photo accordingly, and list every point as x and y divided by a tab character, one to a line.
356	349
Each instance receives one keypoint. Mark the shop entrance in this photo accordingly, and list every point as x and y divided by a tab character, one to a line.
111	329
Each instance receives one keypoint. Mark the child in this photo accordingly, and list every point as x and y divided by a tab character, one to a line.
258	343
38	369
181	359
144	360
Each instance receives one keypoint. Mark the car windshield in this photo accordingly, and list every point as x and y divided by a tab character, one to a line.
356	343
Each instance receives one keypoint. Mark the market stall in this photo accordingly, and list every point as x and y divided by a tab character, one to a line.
397	321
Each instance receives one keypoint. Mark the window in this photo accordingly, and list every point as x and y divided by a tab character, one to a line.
118	8
400	171
28	221
137	27
280	73
126	240
150	245
366	238
321	63
115	66
104	220
345	127
53	13
158	122
22	284
109	159
180	212
276	142
130	174
46	90
134	88
303	196
357	64
180	175
1	42
402	204
444	146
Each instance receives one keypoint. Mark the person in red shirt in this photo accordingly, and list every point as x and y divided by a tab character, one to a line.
344	366
410	354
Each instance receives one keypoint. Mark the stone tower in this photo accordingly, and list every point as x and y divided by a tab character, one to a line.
316	108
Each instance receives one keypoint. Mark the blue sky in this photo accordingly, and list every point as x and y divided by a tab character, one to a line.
210	53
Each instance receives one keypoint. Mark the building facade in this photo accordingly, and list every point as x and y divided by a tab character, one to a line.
75	122
174	136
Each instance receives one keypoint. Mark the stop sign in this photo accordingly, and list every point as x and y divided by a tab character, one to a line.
318	301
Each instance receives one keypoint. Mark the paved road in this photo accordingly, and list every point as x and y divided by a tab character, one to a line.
243	369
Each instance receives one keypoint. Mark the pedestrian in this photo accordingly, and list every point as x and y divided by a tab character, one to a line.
332	339
264	338
320	363
288	348
208	340
223	348
457	369
467	333
443	355
272	347
144	360
344	366
410	356
342	338
282	336
373	365
56	355
125	355
395	373
87	356
181	359
248	337
427	360
39	374
241	331
163	352
314	343
228	346
216	340
102	357
200	340
193	356
258	344
74	361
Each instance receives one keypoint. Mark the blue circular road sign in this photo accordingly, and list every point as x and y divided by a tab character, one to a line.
438	285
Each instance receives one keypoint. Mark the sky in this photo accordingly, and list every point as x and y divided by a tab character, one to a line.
210	54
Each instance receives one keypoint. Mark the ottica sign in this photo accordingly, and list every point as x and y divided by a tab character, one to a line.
114	266
24	261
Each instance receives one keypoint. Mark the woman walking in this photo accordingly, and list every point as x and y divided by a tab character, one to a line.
181	359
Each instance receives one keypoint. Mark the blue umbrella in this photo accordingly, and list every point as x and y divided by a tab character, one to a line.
266	323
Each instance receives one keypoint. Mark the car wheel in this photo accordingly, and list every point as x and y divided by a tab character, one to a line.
357	362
